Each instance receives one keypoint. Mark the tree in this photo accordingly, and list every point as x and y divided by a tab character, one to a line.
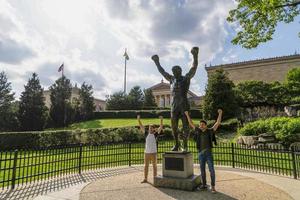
61	110
219	94
293	84
258	19
293	75
149	99
86	99
136	98
76	107
32	110
279	94
253	93
259	93
117	101
8	117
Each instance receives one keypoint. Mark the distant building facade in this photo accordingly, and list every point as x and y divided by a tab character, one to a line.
100	104
267	70
163	97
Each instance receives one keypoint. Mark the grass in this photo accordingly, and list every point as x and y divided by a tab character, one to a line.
113	123
42	164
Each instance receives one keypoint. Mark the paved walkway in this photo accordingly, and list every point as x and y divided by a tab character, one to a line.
65	187
124	183
230	186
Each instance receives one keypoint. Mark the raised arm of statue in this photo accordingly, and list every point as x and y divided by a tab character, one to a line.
166	75
193	70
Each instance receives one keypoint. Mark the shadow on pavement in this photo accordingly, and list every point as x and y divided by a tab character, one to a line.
31	190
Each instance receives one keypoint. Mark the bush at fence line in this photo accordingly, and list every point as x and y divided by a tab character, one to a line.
167	133
11	140
53	138
285	129
229	125
144	114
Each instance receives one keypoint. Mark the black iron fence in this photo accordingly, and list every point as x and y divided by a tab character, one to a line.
18	167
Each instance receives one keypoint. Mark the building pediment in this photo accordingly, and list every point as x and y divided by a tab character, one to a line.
160	86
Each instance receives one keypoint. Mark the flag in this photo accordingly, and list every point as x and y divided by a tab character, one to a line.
126	55
61	68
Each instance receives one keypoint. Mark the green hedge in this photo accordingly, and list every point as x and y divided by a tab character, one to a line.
143	113
13	140
230	125
285	129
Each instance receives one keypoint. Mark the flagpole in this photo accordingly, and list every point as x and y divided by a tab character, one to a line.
125	73
62	71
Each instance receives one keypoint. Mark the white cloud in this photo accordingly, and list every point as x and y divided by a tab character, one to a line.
90	37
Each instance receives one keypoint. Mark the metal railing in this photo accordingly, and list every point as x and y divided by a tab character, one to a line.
18	167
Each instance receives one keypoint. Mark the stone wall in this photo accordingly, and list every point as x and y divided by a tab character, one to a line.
267	70
262	112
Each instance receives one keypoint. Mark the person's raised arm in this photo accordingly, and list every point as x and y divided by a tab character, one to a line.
161	70
161	126
189	120
193	69
142	128
218	122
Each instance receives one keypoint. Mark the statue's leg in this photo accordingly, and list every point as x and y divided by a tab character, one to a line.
185	126
174	124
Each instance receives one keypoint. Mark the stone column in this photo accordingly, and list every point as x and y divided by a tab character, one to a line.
157	100
168	100
162	101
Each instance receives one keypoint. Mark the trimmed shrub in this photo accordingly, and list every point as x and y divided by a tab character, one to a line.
35	139
13	140
229	125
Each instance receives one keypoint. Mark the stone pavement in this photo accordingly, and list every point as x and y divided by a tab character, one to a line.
62	187
124	183
229	185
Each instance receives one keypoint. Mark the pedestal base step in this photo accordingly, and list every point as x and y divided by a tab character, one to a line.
189	184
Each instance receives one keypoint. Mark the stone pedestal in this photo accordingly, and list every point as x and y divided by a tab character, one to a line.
177	171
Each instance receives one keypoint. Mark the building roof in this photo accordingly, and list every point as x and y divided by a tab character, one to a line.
160	86
257	61
196	97
166	86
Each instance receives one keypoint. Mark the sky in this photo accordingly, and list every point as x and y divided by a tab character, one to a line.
90	36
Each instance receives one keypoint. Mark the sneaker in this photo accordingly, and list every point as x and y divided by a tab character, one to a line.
213	190
144	181
202	187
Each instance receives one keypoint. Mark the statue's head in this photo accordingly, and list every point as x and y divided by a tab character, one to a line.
177	71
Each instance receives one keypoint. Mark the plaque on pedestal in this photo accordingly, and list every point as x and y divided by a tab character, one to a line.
177	171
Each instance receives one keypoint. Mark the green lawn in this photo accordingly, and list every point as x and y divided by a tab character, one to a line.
113	123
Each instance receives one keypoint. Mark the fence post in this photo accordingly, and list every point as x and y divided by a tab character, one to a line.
13	179
232	155
294	162
80	159
129	159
